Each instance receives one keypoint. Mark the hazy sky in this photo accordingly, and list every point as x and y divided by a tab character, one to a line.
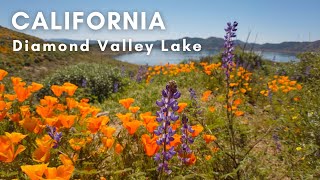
269	20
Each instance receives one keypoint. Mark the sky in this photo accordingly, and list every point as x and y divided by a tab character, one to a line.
269	21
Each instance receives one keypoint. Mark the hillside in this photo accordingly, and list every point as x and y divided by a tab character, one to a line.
35	64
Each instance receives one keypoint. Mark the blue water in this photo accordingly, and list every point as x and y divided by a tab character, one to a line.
158	57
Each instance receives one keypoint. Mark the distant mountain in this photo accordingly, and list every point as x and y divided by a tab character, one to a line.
216	43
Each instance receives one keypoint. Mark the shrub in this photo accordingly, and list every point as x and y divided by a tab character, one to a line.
95	81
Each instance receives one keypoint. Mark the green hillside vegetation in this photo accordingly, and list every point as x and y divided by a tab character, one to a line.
33	65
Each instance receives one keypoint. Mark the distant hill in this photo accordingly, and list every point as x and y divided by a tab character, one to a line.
217	44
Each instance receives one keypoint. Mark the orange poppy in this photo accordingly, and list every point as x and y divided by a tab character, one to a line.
94	124
148	119
42	153
181	107
175	142
61	172
57	90
66	160
176	125
197	130
134	109
209	138
118	148
34	172
22	93
2	88
151	126
8	148
14	137
107	142
25	111
77	143
239	113
150	144
71	103
108	131
3	73
32	124
211	109
124	117
67	121
69	88
205	95
35	87
126	102
132	126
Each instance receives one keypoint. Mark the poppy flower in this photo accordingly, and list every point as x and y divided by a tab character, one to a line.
42	152
2	88
134	109
61	172
57	90
181	107
34	172
3	73
124	117
66	160
176	125
239	113
67	121
32	124
108	131
22	93
151	126
148	118
207	157
145	114
205	95
69	88
107	142
150	144
132	126
126	102
175	142
209	138
94	124
14	137
35	87
71	103
197	130
77	143
8	148
211	109
118	148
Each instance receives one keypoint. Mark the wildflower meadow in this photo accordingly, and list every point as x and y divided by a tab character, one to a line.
224	117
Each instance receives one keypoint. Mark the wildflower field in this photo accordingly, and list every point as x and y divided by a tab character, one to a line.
231	116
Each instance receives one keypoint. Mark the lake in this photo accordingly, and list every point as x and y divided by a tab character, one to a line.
158	57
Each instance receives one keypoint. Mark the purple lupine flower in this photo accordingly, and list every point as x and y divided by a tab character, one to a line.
168	105
115	86
227	56
194	104
277	141
185	139
52	132
193	94
83	83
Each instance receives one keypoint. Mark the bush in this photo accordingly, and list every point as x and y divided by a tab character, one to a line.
94	81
